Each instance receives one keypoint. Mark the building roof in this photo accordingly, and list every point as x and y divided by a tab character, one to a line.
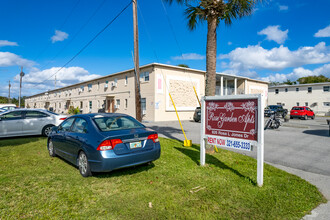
300	85
143	67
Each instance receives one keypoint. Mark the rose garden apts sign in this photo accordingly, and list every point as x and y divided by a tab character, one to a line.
233	122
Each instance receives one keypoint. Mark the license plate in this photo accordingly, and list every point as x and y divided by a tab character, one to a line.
135	145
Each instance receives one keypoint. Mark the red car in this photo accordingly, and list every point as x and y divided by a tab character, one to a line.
302	112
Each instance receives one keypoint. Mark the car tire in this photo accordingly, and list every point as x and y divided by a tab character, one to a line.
47	130
291	117
50	147
196	120
83	165
313	117
305	117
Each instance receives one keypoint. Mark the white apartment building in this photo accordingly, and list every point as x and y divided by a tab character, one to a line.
315	95
116	92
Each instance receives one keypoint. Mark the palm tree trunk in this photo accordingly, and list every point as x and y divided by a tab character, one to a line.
211	56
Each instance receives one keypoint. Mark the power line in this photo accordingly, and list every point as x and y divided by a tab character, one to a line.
61	26
77	33
81	50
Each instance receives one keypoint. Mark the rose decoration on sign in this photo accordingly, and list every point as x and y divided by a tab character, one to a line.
212	106
249	106
252	132
229	106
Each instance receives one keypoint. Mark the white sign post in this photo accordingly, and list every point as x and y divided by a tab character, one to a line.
235	122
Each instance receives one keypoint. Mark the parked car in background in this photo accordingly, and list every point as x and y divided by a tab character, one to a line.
21	122
6	107
103	142
3	110
277	109
302	112
197	114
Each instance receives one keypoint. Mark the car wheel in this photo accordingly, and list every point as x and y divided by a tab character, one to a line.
305	117
47	130
195	119
313	117
51	150
291	117
83	165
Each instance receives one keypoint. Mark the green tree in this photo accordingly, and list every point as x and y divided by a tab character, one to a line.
183	65
313	79
214	11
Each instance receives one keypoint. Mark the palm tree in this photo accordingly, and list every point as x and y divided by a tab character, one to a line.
214	11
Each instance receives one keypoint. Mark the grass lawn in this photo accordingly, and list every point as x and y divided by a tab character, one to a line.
34	185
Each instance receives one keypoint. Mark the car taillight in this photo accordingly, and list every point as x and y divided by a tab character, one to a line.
108	144
154	138
62	119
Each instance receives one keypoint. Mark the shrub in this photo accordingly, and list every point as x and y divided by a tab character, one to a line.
73	111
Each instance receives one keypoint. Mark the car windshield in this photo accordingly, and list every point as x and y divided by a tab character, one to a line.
273	107
297	108
105	123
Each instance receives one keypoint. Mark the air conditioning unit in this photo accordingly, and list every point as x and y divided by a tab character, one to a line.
79	90
89	89
113	84
116	106
106	85
144	112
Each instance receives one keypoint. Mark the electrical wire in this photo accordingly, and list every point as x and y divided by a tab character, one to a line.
76	34
84	47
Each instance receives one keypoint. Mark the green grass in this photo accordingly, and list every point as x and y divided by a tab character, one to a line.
34	185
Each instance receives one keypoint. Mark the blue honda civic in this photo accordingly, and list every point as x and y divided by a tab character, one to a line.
103	142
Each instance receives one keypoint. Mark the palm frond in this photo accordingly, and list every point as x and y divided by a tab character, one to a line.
195	15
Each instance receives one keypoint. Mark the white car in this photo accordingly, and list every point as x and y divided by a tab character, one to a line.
21	122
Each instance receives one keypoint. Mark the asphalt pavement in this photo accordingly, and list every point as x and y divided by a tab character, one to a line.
300	147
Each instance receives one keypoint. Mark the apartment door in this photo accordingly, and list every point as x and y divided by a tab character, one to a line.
110	105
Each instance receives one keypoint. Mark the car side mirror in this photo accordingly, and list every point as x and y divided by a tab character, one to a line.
55	128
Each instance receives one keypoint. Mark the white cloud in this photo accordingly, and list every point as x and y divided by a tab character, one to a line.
189	56
230	43
7	43
283	7
325	32
256	57
59	36
298	73
274	33
11	59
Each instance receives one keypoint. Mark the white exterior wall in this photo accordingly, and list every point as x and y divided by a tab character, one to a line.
315	99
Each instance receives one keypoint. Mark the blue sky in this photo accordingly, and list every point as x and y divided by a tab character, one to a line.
281	40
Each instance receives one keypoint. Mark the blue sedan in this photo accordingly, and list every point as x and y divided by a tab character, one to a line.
103	142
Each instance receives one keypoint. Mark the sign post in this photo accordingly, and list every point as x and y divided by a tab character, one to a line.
235	122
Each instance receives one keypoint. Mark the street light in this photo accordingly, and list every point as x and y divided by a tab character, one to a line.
20	86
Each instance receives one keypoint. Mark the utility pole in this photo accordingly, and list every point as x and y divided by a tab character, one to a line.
20	86
9	85
136	63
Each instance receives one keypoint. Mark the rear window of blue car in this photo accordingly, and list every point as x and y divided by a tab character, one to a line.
116	123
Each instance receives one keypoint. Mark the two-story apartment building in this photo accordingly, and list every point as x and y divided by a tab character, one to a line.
116	92
315	95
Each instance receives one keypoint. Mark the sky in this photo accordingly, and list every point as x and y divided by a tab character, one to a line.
282	40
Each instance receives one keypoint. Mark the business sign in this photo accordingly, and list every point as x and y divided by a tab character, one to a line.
233	122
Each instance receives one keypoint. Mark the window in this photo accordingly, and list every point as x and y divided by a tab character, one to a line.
326	88
117	123
326	104
35	114
118	103
297	103
306	103
297	89
286	89
144	76
81	105
126	80
309	89
81	89
143	104
79	126
66	125
90	87
276	91
116	80
126	103
12	116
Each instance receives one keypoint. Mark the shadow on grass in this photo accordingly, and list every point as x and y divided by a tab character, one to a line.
115	173
4	142
195	156
166	131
